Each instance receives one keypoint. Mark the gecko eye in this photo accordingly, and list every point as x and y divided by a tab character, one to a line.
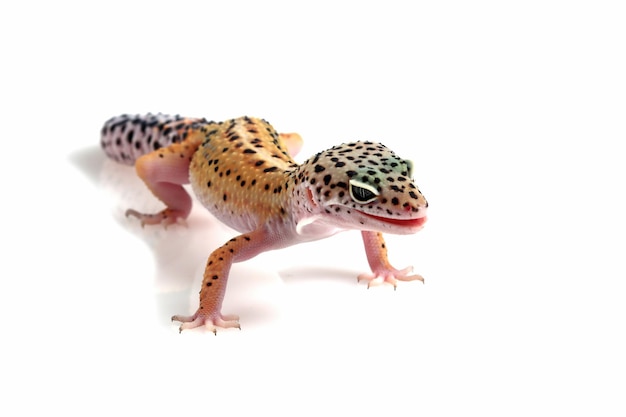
361	192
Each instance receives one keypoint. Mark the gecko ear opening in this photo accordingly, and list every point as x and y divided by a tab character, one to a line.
362	193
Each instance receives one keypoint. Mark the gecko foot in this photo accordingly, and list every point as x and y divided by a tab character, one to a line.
390	276
211	322
165	217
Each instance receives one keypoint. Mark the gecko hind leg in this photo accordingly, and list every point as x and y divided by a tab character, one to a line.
292	141
165	171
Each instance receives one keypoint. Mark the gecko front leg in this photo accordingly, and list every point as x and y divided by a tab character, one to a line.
215	277
382	271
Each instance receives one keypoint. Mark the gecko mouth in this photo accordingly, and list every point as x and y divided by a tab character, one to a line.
419	222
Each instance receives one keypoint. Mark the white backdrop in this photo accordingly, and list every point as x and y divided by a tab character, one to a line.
512	114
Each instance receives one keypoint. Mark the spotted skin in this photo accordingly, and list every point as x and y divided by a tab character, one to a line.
125	138
243	172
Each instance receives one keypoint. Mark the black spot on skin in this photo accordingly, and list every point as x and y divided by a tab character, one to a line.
327	179
351	174
243	183
208	184
208	284
224	197
214	277
270	169
413	195
319	168
258	163
340	164
247	238
395	201
342	185
249	151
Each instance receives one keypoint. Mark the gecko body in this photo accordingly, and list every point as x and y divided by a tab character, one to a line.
243	172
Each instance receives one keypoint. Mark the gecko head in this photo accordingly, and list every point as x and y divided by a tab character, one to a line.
364	186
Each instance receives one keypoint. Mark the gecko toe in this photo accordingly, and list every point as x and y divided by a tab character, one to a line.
164	218
389	276
211	322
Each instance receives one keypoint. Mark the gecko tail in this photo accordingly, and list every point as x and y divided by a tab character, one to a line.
127	137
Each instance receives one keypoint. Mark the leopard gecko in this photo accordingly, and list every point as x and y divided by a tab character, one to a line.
242	171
